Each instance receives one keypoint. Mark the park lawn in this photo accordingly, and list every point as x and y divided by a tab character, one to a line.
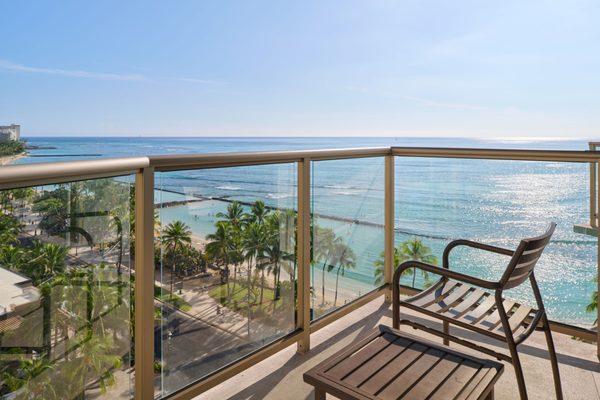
165	296
239	299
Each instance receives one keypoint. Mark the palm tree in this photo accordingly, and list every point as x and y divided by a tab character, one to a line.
326	241
12	257
412	249
273	251
415	250
258	212
236	218
48	259
54	215
254	248
219	247
174	236
235	215
236	254
10	228
593	306
380	266
31	379
345	259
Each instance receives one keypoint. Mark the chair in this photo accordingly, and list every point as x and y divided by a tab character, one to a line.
459	299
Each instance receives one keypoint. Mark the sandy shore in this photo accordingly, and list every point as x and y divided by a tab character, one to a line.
6	160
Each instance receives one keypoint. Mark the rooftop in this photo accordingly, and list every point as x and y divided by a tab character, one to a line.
15	291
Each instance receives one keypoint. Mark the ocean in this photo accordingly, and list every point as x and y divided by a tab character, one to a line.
437	200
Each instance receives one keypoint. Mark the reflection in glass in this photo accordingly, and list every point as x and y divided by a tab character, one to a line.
500	202
226	262
347	231
65	304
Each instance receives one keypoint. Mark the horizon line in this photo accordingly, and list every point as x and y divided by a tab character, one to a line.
259	136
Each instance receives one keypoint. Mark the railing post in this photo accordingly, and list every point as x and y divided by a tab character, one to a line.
303	255
144	284
594	205
389	225
598	293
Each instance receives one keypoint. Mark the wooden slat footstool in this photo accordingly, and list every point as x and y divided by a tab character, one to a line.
389	364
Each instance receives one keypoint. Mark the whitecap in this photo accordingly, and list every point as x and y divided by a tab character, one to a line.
278	196
225	187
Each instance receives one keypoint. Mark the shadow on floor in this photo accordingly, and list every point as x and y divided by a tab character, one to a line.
523	348
261	388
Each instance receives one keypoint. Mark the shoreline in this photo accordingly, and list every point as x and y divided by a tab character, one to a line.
7	160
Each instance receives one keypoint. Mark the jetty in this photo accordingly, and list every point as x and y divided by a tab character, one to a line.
199	198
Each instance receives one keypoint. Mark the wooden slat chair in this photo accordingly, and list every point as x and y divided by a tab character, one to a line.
459	299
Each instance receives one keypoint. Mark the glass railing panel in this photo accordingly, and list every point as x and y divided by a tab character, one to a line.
225	267
499	202
347	205
65	291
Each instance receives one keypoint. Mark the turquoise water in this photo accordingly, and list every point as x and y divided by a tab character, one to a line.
436	199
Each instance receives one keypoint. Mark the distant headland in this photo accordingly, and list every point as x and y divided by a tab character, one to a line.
11	145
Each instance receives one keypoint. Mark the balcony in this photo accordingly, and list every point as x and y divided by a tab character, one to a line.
195	275
280	375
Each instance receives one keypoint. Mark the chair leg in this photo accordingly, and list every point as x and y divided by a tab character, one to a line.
516	362
549	341
446	332
553	358
512	346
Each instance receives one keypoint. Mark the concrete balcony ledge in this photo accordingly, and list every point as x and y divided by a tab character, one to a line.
280	376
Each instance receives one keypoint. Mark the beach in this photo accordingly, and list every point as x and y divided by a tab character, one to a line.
6	160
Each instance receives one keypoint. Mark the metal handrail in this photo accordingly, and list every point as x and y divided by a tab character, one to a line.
56	172
499	154
219	160
13	176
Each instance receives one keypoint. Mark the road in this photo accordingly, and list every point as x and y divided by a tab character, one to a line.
191	349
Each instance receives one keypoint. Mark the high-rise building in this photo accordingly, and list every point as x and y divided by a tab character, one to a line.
10	132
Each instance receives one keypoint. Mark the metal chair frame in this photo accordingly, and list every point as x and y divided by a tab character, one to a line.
519	269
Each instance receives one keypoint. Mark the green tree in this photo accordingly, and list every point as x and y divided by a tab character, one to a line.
32	379
413	250
54	215
235	215
47	260
236	218
593	306
174	237
324	244
344	259
219	249
254	248
10	228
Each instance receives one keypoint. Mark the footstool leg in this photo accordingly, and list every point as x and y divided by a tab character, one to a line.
319	394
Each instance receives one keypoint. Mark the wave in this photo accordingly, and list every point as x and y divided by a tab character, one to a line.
227	187
346	193
278	196
338	187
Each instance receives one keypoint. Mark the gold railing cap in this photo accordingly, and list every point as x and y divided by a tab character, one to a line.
23	175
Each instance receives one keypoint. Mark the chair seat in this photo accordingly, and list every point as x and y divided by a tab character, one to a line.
470	307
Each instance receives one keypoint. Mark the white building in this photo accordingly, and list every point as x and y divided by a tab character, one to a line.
10	132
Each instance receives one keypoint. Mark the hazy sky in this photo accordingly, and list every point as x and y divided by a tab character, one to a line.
436	68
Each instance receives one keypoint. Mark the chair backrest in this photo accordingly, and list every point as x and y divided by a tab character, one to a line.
525	258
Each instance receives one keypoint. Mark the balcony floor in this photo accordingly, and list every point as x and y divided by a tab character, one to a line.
280	376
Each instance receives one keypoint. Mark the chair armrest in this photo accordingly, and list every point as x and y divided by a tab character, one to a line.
475	245
445	272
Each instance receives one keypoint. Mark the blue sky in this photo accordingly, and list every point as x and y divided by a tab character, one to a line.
325	68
